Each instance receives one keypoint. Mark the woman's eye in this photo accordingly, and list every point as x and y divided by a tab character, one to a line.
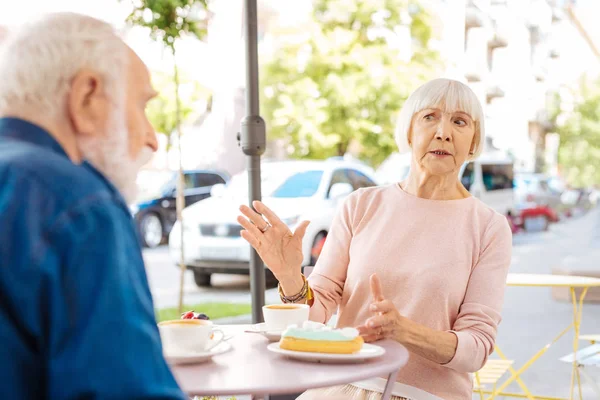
429	117
460	122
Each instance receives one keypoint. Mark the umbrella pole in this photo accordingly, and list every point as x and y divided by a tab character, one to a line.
253	143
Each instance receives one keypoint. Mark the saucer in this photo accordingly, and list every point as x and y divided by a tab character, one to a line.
193	357
261	328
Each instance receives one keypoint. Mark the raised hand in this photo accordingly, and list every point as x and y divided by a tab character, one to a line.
387	321
277	246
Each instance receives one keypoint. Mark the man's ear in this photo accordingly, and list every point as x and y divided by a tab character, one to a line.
86	102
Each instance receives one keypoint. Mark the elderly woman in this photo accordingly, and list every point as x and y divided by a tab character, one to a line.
421	262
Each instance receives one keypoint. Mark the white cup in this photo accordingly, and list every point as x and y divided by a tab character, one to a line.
279	316
184	336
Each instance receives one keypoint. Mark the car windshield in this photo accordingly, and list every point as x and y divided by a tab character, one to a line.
280	184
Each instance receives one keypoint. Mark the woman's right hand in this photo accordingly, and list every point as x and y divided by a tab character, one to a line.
277	246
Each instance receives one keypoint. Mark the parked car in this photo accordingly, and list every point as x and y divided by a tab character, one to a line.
538	189
489	177
295	190
155	214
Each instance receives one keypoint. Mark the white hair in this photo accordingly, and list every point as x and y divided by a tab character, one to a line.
39	60
449	96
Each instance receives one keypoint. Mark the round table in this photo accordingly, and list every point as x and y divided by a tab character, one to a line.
249	368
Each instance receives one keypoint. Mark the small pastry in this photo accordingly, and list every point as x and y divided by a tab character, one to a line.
318	338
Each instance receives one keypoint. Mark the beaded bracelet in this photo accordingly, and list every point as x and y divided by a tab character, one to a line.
305	293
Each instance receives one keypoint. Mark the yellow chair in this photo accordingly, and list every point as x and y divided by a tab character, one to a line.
587	357
489	375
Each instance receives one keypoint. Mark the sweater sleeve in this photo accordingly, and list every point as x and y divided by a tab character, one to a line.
479	315
329	275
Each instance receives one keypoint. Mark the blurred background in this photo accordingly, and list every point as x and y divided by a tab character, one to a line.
333	76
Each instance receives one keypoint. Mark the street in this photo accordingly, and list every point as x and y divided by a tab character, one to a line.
531	318
164	282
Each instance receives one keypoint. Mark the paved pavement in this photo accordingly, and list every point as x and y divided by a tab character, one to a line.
531	318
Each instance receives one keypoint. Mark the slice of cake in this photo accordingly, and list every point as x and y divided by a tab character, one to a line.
317	338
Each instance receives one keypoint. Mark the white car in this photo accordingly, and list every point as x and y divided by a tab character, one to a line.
294	190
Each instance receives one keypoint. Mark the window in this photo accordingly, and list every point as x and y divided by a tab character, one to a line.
497	176
339	176
359	180
189	179
468	176
303	184
208	179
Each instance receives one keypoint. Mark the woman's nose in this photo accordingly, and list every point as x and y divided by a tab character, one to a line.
444	132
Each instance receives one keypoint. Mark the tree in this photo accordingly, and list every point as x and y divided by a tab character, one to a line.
170	20
162	110
343	81
576	116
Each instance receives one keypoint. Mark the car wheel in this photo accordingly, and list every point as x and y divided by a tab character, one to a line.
315	250
202	279
151	230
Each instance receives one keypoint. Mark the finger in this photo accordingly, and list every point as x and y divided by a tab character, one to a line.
270	215
250	238
376	290
253	216
370	334
301	230
371	338
377	321
384	306
363	330
249	226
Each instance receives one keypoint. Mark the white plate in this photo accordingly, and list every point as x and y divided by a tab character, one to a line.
368	351
194	358
261	328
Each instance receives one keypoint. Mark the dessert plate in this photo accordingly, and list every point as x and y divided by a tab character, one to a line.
197	357
367	352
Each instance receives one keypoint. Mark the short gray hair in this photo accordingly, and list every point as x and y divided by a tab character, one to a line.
39	60
448	95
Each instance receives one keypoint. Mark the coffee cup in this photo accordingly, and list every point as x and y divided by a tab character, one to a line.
183	336
279	316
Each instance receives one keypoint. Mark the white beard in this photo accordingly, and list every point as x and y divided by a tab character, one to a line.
110	156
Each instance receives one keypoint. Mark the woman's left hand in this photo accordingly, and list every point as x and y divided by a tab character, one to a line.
387	323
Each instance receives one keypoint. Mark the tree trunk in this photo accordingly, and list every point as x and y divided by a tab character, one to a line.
342	148
180	202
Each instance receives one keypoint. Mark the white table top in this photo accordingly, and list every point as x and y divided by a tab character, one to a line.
551	280
249	368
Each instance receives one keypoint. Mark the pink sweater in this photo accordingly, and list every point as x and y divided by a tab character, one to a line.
442	263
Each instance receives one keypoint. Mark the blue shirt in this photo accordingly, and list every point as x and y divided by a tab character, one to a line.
76	313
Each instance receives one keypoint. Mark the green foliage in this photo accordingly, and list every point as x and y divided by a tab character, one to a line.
213	310
169	20
162	110
343	81
579	130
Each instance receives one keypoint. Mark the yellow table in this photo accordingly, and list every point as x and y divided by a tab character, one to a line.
548	280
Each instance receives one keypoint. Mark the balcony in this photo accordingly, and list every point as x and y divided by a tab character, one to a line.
473	76
497	40
539	74
474	17
493	92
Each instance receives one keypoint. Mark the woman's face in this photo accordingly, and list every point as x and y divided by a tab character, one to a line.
440	141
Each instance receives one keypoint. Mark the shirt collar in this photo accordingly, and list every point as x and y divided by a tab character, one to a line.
21	130
24	131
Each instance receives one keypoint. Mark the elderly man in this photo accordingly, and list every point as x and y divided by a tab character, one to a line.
76	314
